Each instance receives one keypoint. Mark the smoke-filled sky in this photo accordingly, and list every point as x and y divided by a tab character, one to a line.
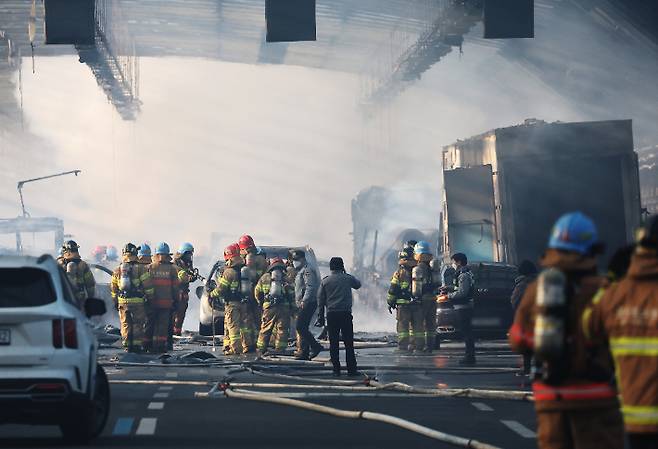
276	151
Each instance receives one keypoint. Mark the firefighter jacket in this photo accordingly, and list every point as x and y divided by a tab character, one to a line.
79	274
588	382
185	271
140	287
228	284
262	292
429	289
399	293
144	260
166	283
626	316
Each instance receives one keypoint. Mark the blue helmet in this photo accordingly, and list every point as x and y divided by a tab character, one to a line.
111	253
575	232
186	248
422	247
144	250
162	248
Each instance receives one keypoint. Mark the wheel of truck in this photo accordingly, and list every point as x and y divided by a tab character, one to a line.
87	422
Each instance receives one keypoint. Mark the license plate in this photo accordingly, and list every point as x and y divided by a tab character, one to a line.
5	336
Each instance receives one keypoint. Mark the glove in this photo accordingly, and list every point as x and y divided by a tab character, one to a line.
320	321
211	285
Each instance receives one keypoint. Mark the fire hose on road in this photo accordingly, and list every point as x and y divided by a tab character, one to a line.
352	414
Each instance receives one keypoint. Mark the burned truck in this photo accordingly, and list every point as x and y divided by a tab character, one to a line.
504	189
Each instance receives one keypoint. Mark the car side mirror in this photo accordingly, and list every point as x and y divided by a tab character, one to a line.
199	291
94	307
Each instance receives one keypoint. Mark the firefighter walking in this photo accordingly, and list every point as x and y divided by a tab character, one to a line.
575	399
408	310
130	288
275	295
626	318
165	293
184	260
78	272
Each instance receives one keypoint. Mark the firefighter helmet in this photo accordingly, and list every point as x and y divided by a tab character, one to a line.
422	247
163	249
71	246
129	249
231	251
111	253
186	248
574	232
276	263
246	242
144	250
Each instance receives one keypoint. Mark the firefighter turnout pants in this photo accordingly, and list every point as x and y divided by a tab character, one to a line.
580	429
276	320
157	329
132	314
179	312
411	332
239	326
428	307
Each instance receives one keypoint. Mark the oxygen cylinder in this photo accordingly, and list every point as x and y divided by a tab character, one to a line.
250	260
124	279
550	324
418	281
276	287
246	289
71	269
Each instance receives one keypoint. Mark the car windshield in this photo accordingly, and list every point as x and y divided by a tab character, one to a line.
25	287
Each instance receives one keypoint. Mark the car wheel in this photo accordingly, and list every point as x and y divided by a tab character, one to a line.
88	422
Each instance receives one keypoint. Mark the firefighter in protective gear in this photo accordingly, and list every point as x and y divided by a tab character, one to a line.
111	254
144	254
411	334
256	261
275	296
625	317
237	314
166	280
422	274
575	399
78	272
247	245
131	288
184	260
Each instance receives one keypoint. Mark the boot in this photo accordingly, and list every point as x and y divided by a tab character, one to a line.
315	351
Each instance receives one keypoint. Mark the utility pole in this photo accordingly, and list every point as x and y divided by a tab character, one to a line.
20	185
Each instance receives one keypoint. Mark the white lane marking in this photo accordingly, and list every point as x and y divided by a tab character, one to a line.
482	406
172	374
161	395
155	405
146	426
165	388
519	429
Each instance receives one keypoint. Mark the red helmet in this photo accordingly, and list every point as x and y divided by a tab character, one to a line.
246	242
276	262
231	251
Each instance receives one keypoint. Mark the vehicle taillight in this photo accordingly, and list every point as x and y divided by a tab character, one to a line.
70	334
57	333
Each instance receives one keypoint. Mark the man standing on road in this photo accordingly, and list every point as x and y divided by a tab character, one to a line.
626	318
575	399
336	296
461	297
306	298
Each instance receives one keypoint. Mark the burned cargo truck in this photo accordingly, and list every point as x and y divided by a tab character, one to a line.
504	189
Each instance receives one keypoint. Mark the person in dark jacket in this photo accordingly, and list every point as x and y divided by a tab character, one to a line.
335	295
527	274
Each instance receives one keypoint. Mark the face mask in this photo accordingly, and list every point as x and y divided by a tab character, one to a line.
297	264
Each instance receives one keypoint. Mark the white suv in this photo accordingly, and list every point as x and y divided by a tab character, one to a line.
48	368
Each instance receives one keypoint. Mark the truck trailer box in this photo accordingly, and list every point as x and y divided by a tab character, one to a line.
504	189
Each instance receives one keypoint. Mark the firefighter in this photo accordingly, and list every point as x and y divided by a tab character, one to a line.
144	254
409	311
256	261
231	288
184	260
575	399
626	318
424	288
111	255
460	296
78	272
274	295
166	280
131	288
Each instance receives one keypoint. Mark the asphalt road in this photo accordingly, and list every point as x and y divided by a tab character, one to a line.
165	410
